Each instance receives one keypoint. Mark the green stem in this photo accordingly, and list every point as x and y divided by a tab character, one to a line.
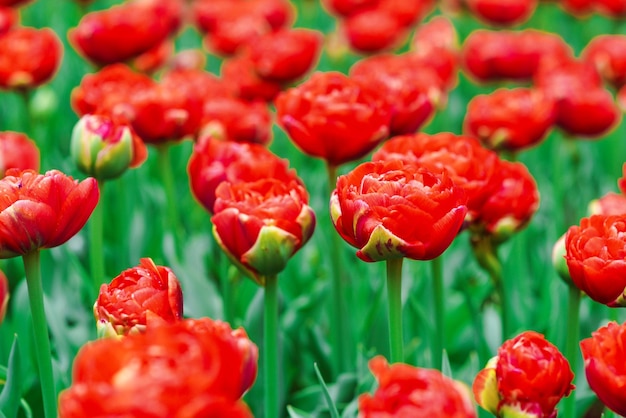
28	128
32	268
571	345
96	247
270	356
171	216
394	294
439	312
342	332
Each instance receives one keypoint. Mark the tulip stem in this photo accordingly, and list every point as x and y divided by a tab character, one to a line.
270	357
439	312
571	344
96	247
32	269
171	215
394	294
342	332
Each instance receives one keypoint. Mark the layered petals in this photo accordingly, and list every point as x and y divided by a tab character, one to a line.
17	151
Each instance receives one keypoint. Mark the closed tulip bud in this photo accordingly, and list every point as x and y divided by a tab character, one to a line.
100	148
558	260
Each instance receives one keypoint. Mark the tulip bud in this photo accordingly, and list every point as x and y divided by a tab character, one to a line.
558	260
101	148
4	295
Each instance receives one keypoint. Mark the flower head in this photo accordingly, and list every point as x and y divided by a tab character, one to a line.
17	151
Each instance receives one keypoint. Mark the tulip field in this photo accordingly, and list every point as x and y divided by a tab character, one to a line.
312	208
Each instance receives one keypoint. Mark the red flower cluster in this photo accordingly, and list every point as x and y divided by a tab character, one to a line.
139	297
17	151
528	378
502	12
407	391
192	369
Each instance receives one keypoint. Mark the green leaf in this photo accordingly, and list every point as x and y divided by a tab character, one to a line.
11	393
329	400
296	413
446	369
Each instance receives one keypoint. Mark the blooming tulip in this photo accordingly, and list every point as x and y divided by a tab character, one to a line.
137	298
604	366
262	224
373	30
236	28
510	120
320	116
192	369
103	149
347	8
407	391
527	378
29	57
470	166
125	31
594	257
239	76
608	54
8	17
389	209
234	119
17	151
42	210
611	203
499	12
611	8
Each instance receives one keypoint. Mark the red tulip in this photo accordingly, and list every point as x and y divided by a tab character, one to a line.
206	13
154	59
188	369
125	31
286	55
29	57
262	224
470	166
389	209
583	106
512	120
12	3
347	8
321	116
513	202
407	391
407	13
4	295
579	8
604	365
527	378
109	91
374	30
214	161
8	18
42	210
237	120
502	12
138	297
237	27
240	77
609	204
497	55
595	258
195	83
410	90
278	13
17	151
611	8
608	54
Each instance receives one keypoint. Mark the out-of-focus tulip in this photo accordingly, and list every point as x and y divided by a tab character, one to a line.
608	54
469	164
511	120
373	30
579	8
189	369
407	391
515	55
208	13
407	13
4	295
262	224
583	106
320	116
411	91
278	13
154	59
109	91
42	210
237	120
137	298
594	257
512	203
214	161
286	55
611	8
198	84
8	18
527	379
390	209
236	28
240	77
604	353
104	149
12	3
347	8
125	31
29	57
17	151
502	12
611	203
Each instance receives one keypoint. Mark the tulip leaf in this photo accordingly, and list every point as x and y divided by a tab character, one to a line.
329	400
446	369
11	393
296	413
